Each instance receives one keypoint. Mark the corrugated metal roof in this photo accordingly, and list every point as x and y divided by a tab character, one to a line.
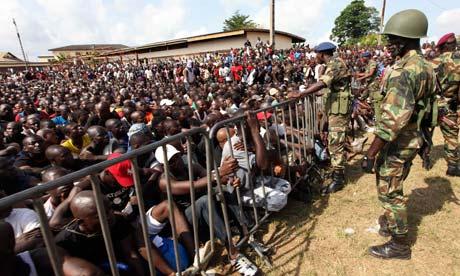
81	47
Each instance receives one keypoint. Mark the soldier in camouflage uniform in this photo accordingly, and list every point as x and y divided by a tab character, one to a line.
447	68
372	82
409	90
338	102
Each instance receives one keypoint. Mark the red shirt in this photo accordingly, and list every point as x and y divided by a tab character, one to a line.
236	71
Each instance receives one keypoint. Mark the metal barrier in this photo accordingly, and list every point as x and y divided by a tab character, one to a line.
295	139
295	125
36	192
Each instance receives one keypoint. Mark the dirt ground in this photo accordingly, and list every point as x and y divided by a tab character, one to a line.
311	239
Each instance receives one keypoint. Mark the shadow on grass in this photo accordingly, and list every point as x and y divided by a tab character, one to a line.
428	201
290	226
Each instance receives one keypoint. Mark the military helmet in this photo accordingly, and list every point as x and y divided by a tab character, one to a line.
408	23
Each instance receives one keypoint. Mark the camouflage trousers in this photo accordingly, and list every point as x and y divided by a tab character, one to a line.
392	167
451	144
337	137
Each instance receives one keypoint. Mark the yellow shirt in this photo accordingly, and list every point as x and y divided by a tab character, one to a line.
75	150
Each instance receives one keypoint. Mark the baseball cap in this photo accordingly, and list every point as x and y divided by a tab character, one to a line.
261	115
170	152
122	171
138	127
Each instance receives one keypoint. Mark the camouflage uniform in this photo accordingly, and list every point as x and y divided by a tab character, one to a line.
408	86
338	100
447	68
373	87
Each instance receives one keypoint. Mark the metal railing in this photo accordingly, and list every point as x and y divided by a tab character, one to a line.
295	125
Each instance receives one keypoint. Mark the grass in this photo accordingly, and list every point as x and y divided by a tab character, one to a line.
310	239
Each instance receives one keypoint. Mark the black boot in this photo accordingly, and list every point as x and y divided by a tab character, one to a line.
384	231
396	248
338	182
453	170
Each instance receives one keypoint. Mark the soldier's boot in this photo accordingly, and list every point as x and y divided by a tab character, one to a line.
396	248
338	182
384	231
453	170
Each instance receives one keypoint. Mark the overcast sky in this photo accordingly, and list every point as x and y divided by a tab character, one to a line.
46	24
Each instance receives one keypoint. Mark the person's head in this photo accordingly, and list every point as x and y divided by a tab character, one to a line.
34	145
447	43
173	157
324	51
116	127
47	124
142	106
98	135
83	208
138	117
171	127
221	136
49	136
32	123
64	110
139	139
102	109
404	30
59	156
28	106
13	129
62	192
74	131
6	112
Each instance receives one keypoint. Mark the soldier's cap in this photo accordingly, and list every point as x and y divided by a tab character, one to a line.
366	54
443	40
325	46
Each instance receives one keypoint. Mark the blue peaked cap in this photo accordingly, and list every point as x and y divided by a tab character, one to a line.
325	46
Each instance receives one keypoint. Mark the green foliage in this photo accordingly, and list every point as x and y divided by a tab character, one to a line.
370	40
238	21
354	22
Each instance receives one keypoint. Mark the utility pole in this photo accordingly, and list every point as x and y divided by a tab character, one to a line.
272	24
382	17
20	43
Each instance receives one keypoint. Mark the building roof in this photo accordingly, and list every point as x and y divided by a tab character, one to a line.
7	57
197	38
83	47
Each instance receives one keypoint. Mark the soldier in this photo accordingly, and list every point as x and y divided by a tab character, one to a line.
447	68
338	102
372	82
409	90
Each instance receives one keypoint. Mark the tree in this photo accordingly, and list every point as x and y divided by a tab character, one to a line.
354	22
371	40
238	21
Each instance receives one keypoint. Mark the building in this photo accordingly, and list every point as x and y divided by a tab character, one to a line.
8	61
214	42
74	51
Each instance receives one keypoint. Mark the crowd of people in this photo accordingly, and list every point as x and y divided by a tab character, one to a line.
61	119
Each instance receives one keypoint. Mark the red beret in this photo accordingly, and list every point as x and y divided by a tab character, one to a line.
444	39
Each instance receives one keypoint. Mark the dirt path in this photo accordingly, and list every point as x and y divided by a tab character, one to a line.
311	240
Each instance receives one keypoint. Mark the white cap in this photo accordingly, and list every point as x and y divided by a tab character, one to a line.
170	152
302	88
167	102
273	91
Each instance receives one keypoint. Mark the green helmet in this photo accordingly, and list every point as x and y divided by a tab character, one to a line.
408	23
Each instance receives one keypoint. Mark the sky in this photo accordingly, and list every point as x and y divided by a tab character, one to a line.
46	24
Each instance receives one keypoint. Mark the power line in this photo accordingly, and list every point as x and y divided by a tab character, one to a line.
436	5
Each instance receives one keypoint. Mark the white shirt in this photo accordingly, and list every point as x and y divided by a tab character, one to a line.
23	220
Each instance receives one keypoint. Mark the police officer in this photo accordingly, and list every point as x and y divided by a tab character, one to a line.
372	82
447	68
338	101
409	90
